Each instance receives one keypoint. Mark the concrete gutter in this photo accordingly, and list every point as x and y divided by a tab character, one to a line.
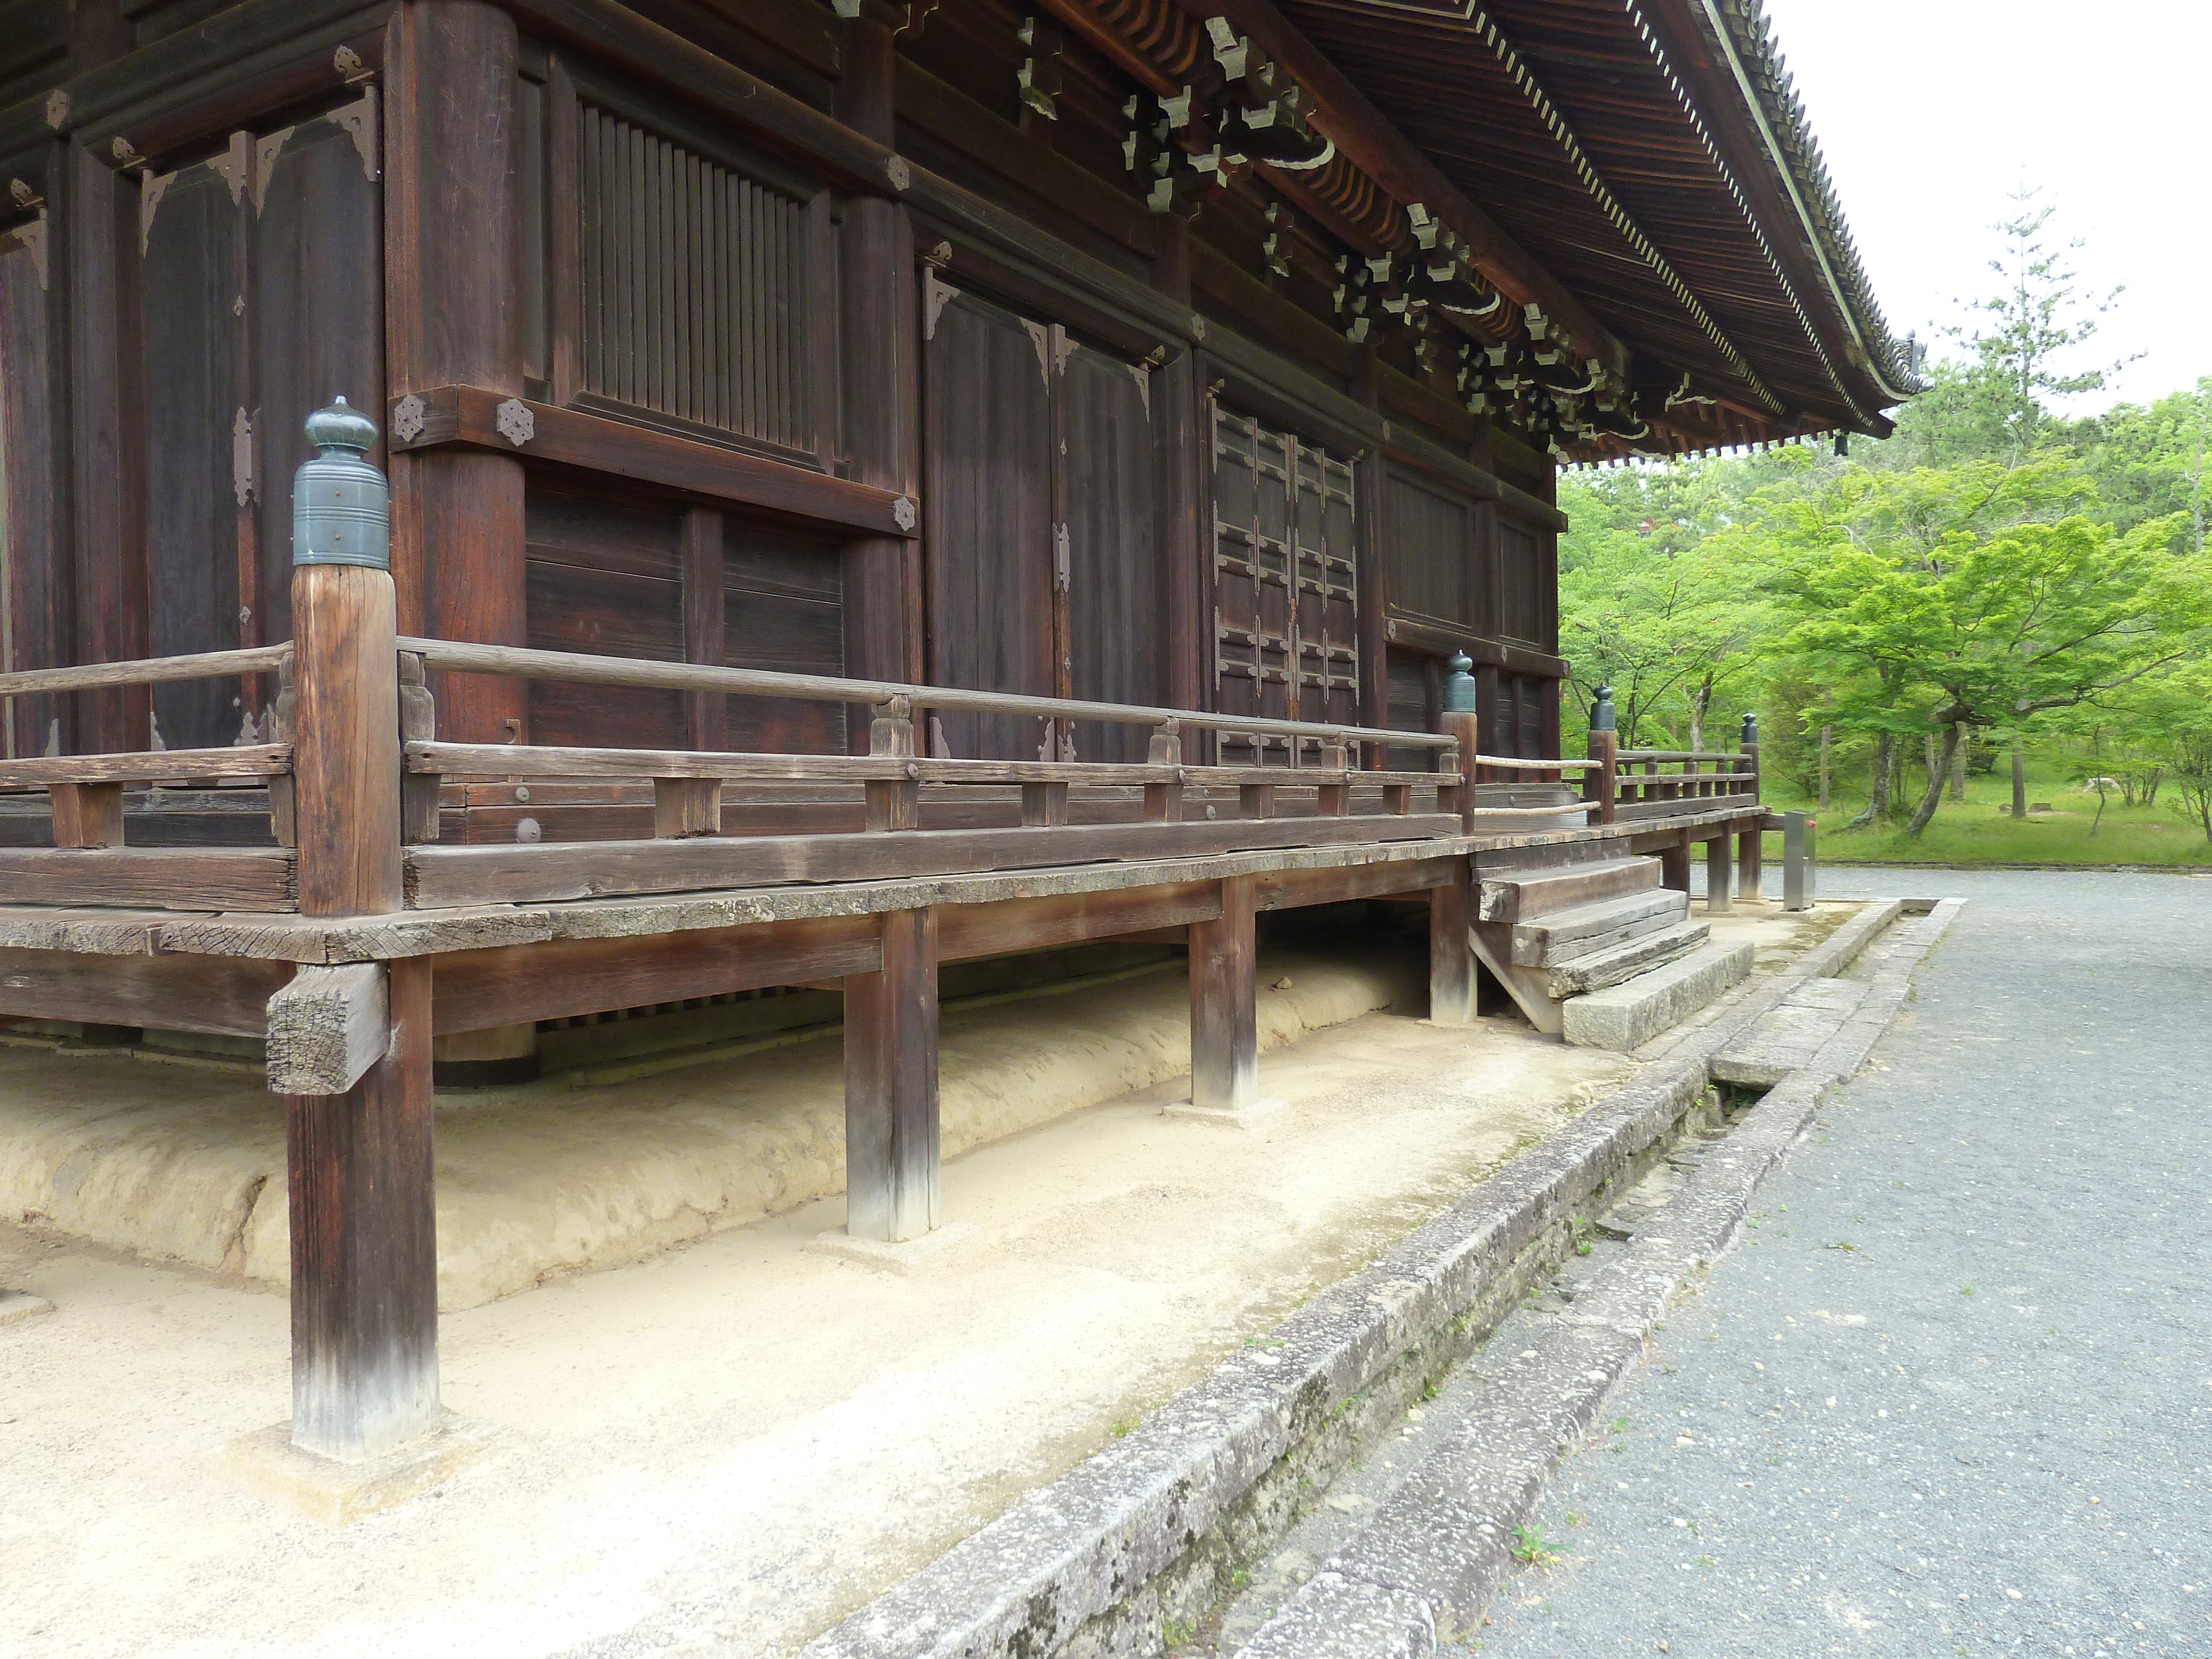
1430	1558
1089	1555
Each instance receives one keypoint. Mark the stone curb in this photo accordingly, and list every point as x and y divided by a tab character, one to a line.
1430	1558
1021	1587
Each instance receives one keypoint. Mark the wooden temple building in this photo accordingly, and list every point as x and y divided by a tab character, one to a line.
870	485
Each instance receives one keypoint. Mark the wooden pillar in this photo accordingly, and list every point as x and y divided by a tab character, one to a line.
1674	864
1467	727
106	570
708	714
1751	855
892	1186
1718	875
1225	1032
882	381
1603	785
1451	953
365	1245
454	295
1182	438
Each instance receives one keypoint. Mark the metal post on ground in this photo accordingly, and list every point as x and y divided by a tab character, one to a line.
1798	829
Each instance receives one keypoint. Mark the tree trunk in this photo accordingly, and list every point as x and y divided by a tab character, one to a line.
1827	734
1936	777
1958	765
1884	771
1892	797
2018	783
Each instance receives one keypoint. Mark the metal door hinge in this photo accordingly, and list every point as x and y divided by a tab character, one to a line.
1060	562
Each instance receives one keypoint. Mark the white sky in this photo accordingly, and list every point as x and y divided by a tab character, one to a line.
1931	111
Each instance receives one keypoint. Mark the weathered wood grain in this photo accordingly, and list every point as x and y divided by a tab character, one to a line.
222	995
346	740
476	875
326	1027
180	878
1224	1041
891	1132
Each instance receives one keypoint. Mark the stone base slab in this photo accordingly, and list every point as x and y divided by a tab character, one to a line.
268	1464
17	1305
909	1256
1244	1120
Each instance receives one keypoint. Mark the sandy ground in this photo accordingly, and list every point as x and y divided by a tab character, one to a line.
729	1444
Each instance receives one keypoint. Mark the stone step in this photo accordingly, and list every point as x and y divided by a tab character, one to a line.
1629	1015
1592	928
1789	1035
1518	898
1595	972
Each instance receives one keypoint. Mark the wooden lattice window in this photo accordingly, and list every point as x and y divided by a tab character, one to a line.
691	290
1286	641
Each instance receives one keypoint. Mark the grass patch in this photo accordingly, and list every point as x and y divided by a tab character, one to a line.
1981	829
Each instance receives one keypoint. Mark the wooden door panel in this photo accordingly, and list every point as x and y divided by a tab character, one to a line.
988	440
1118	598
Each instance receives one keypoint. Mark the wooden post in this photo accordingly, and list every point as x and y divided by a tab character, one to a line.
364	1245
87	814
881	362
1461	720
891	1181
1674	864
1750	860
1451	952
1225	1032
453	262
1718	902
363	1212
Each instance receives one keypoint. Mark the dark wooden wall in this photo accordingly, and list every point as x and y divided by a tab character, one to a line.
1114	503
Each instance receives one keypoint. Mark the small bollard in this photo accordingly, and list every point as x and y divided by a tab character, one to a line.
1800	861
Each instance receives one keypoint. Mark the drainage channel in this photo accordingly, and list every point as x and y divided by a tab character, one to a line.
1335	1522
1349	1487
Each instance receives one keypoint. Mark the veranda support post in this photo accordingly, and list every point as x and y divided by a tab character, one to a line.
892	1190
1750	844
363	1217
1451	906
1224	1031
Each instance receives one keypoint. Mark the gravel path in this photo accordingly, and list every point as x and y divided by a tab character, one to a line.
1954	1392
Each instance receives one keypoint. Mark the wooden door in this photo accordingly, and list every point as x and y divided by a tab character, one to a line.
988	543
1285	644
1114	609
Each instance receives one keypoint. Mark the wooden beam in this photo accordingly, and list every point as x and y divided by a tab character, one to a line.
1674	863
166	877
260	760
364	1246
559	979
345	732
1290	890
444	875
892	1165
964	931
1718	875
1751	855
466	417
1391	160
221	996
326	1027
1224	1036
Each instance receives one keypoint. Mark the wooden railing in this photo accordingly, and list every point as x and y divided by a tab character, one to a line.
1627	784
1335	788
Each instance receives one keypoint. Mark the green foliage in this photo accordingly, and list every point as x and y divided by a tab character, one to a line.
1993	575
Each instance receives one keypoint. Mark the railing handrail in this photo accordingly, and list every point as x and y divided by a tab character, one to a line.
143	670
1676	755
455	656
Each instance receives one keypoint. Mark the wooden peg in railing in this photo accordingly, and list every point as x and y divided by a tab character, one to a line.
893	803
1256	800
1164	801
686	806
87	814
418	723
1043	805
284	722
1333	801
1398	798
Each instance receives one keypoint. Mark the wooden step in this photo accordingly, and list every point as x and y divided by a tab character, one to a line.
1588	929
1625	962
1518	898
